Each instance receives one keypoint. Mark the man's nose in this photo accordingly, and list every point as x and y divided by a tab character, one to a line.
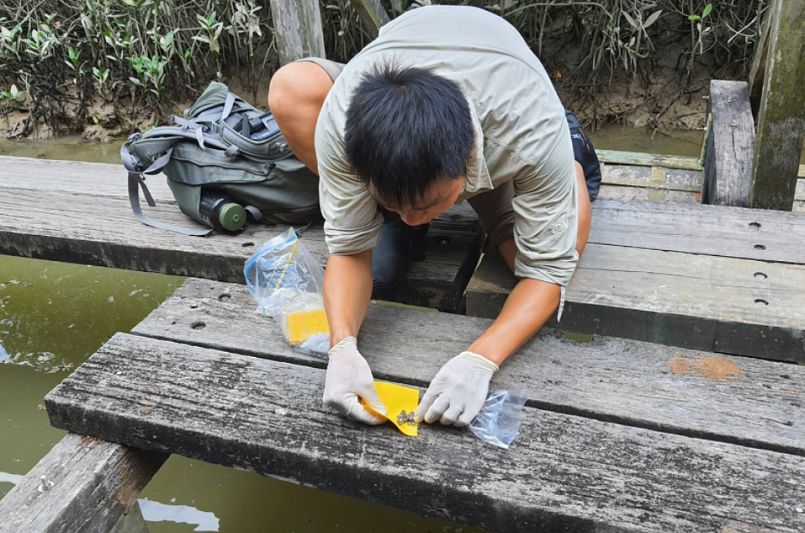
415	219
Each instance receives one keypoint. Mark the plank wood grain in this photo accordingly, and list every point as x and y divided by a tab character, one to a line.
83	485
101	231
564	473
762	235
297	28
609	379
730	145
718	304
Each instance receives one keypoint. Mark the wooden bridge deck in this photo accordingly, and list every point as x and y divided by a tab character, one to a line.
619	435
712	278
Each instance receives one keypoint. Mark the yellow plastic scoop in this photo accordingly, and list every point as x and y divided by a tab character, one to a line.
401	403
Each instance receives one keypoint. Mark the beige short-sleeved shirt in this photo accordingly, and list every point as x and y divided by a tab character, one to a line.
521	134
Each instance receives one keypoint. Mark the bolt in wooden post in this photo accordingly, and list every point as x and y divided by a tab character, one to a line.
297	28
781	120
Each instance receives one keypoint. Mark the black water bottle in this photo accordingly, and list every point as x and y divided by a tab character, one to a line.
220	212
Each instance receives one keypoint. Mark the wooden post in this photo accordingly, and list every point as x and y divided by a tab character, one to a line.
83	484
730	145
372	15
297	27
758	70
781	120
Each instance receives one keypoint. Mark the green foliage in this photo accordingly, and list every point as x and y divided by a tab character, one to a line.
149	51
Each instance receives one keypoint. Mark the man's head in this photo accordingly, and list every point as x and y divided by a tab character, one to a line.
409	135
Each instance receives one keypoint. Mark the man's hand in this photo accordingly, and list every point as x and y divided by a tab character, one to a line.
458	391
348	378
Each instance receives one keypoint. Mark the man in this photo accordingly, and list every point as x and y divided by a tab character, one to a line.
448	104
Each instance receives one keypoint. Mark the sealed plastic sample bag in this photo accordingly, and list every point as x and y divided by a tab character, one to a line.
286	281
499	420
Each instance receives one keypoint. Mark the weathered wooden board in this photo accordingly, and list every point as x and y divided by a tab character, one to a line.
730	145
102	231
297	29
700	229
649	160
564	473
634	383
691	301
83	485
781	117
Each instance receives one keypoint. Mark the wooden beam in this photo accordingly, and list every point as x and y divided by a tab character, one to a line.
563	473
718	304
297	28
617	157
84	484
413	344
730	145
781	120
109	235
372	14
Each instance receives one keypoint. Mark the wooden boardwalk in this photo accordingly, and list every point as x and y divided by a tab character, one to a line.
619	434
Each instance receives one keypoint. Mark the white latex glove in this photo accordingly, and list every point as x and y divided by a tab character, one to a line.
348	378
458	391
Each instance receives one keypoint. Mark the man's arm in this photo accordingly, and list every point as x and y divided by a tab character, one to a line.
347	291
532	302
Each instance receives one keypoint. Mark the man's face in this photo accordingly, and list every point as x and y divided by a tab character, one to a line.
438	199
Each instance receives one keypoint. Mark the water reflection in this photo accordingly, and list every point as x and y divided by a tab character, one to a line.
180	514
5	477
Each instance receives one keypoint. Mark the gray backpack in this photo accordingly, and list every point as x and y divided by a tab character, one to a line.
224	145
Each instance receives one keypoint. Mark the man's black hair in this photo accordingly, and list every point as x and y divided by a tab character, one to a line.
406	129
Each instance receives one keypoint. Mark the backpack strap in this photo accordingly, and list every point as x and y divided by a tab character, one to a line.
137	181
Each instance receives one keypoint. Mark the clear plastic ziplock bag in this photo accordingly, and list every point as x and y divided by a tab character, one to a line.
499	419
286	282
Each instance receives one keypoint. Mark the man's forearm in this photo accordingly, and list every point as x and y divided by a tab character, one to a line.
528	307
347	291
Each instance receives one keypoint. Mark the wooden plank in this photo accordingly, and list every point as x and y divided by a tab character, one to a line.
86	179
648	160
699	302
610	379
564	473
297	28
69	227
730	146
372	15
641	176
698	229
781	119
82	485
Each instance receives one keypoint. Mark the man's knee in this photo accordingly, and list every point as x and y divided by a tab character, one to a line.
297	87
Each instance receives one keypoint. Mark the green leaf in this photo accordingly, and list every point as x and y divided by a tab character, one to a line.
707	10
167	40
630	20
95	120
652	19
694	18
